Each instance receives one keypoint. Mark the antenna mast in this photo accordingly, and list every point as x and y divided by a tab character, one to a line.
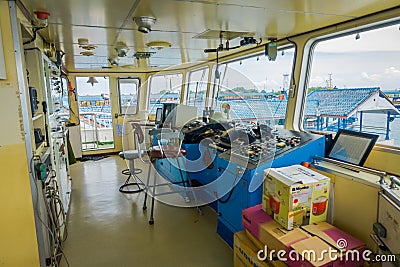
330	81
285	85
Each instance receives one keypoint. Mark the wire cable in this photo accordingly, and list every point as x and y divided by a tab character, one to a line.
57	219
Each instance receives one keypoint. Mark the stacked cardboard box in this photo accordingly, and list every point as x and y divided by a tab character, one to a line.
245	253
295	196
346	249
272	235
293	247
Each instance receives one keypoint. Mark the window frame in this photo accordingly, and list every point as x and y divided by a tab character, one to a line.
282	47
312	44
137	95
150	81
189	74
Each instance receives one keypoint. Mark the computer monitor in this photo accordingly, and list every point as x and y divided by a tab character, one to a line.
183	115
176	116
159	119
352	147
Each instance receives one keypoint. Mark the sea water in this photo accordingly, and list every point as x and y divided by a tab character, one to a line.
376	124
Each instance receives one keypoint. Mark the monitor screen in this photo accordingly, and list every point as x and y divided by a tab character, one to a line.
352	147
159	116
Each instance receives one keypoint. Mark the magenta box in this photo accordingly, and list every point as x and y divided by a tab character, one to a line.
253	217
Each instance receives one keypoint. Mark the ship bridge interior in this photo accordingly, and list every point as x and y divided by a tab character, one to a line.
199	132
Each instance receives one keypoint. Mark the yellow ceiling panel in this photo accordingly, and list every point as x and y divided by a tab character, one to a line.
106	22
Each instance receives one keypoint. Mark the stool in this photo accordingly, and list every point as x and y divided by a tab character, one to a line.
170	147
132	172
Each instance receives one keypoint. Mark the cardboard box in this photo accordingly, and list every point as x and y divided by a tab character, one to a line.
311	253
260	245
350	249
268	232
245	252
277	238
253	217
329	246
265	204
296	195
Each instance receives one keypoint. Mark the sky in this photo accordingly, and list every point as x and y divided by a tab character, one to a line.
84	88
371	61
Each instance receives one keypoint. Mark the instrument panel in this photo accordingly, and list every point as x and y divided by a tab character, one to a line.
278	142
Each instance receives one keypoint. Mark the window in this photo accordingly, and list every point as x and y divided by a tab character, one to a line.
164	89
354	85
96	121
128	95
65	100
255	88
196	89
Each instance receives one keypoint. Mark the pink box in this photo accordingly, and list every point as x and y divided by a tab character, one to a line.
328	237
253	217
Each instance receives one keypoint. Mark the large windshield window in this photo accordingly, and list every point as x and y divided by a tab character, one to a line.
164	89
255	88
354	84
128	95
196	89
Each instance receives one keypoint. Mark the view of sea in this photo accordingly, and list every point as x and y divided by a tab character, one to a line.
376	124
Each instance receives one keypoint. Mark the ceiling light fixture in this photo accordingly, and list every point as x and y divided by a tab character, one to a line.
122	49
158	44
144	23
88	47
87	53
92	80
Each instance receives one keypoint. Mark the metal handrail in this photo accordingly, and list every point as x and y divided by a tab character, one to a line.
394	183
353	167
95	121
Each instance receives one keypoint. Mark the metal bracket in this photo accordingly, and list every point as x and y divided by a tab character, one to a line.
394	183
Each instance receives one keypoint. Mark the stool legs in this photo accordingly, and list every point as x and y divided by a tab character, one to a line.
136	181
147	188
151	221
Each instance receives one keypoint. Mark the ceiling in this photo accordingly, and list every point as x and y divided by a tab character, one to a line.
105	22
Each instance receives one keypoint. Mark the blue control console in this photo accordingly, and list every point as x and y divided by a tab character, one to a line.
235	169
249	171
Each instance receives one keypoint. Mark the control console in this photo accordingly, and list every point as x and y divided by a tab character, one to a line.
278	142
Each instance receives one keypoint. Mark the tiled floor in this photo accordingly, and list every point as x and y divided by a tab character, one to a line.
108	228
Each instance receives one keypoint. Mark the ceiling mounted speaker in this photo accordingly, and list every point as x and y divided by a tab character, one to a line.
144	23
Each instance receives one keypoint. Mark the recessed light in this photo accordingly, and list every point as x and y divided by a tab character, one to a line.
158	44
87	53
88	47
